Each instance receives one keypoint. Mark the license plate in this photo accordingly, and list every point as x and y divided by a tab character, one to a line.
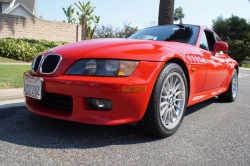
33	87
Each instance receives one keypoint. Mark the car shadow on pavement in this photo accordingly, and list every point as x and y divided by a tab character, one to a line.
196	107
22	127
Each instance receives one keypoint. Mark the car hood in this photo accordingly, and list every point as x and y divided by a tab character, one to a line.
125	49
119	49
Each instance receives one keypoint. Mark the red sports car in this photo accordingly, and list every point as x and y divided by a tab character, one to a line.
149	78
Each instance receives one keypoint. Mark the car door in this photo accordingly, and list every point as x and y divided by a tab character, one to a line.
216	64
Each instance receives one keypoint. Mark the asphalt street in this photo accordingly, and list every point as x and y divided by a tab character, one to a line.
212	133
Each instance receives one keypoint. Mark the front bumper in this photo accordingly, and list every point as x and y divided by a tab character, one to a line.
127	107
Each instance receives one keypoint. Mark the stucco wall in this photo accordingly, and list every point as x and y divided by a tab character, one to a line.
34	28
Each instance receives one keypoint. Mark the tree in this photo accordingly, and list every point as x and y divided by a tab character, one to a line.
179	15
86	16
166	12
69	14
91	32
236	32
109	32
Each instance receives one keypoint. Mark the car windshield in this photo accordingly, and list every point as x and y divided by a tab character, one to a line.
177	33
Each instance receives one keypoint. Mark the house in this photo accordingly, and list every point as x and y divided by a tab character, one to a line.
26	8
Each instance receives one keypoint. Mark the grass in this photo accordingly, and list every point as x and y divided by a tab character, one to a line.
3	59
11	76
244	65
248	58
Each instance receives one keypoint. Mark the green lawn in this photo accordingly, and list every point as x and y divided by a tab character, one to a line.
11	76
3	59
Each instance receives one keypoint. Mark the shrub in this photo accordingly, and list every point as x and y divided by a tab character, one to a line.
25	49
244	65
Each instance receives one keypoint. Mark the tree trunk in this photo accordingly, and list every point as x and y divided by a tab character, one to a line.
84	29
92	35
166	12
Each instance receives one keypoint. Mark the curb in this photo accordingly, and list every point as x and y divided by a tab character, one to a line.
12	103
7	63
10	94
243	68
10	98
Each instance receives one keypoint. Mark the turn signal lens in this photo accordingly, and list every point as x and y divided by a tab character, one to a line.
127	67
134	89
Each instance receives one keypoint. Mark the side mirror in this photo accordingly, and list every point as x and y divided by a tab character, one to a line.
220	46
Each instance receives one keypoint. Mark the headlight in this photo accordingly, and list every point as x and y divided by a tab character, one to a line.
103	67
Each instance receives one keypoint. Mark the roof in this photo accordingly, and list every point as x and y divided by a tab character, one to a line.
30	4
6	1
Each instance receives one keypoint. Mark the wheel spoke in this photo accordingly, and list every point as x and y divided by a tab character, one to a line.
163	97
178	99
176	88
165	116
177	107
163	111
167	85
165	90
174	112
171	116
172	82
163	103
177	93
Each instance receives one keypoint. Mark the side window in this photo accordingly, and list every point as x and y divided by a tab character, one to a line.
210	40
203	43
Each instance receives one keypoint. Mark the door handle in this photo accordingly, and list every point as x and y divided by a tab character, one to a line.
225	61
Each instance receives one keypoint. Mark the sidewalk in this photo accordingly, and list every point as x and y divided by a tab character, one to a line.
11	98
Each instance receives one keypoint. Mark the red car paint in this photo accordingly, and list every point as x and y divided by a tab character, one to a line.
205	80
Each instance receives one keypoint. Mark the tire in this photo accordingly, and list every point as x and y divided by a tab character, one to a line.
168	102
231	94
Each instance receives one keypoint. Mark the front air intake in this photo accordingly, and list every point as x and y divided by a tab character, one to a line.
50	64
36	63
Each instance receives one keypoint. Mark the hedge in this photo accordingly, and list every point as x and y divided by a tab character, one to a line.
25	49
244	65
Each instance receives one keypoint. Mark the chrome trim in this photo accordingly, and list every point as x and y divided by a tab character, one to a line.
32	66
41	65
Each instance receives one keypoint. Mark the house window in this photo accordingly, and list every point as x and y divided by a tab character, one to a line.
0	7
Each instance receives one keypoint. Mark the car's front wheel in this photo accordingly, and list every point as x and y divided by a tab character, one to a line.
168	102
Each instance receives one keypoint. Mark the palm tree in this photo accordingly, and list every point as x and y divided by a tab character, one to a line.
179	15
69	13
86	10
96	20
166	12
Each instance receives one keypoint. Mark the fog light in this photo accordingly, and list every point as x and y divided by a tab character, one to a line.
99	104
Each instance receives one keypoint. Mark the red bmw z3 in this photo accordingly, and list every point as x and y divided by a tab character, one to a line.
149	78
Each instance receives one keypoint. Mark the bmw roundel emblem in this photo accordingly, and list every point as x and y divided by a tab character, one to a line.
50	51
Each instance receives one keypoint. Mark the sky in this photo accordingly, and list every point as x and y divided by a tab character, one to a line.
144	13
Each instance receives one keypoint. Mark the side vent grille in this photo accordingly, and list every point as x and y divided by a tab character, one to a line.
50	64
